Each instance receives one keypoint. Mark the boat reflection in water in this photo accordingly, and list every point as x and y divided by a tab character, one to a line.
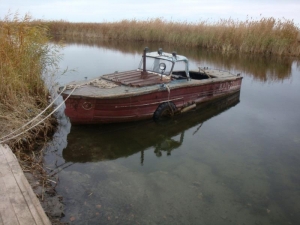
111	141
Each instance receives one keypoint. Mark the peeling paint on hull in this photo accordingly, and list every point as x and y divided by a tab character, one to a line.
136	105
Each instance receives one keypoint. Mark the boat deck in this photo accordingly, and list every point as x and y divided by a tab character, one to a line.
134	78
131	83
218	73
18	203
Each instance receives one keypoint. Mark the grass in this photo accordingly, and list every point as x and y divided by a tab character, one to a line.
265	36
25	59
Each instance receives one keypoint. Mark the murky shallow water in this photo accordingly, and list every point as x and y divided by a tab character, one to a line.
234	161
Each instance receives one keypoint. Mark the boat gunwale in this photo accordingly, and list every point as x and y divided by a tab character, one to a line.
137	91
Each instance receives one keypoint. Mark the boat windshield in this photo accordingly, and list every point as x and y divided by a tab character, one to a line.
152	65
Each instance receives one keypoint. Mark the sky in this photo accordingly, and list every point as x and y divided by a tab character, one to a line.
170	10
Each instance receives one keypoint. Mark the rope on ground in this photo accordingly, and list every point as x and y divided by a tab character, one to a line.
34	117
41	120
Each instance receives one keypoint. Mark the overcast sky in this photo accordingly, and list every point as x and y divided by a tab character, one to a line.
175	10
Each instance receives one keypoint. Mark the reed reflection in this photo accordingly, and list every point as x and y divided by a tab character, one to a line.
262	68
108	142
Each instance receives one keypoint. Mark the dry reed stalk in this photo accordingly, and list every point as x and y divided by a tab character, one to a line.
24	57
264	36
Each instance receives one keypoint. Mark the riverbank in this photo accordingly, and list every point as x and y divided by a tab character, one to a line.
265	36
28	64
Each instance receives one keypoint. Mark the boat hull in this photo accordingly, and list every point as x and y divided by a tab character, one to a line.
95	110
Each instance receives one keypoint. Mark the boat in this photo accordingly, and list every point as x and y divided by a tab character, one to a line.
161	87
141	136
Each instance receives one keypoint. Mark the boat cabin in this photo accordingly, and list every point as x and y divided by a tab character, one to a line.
158	67
169	64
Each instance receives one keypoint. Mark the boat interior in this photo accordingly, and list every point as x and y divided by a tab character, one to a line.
178	75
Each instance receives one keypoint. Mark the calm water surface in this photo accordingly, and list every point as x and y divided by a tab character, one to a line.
234	161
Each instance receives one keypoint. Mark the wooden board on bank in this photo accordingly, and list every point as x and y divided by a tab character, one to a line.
18	203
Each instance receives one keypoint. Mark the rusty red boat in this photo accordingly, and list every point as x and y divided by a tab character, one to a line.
161	86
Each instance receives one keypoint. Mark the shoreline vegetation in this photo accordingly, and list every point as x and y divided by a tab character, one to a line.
265	36
27	66
25	58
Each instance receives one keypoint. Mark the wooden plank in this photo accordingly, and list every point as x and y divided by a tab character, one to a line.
16	198
33	203
24	202
8	216
7	212
1	221
134	78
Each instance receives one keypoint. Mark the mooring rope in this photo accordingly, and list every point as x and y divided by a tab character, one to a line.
169	92
36	117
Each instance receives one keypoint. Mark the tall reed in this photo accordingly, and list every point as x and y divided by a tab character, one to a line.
264	36
25	55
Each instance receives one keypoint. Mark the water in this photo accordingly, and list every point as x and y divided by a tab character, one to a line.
234	161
